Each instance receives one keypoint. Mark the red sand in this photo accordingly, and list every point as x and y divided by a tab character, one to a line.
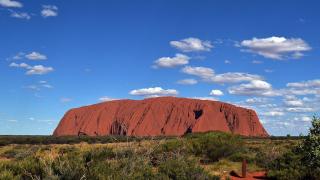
251	176
159	116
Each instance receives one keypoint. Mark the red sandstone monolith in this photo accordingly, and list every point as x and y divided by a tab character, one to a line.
159	116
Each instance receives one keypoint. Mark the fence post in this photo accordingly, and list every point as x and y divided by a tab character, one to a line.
244	168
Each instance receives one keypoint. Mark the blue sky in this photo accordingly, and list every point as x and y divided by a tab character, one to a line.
56	55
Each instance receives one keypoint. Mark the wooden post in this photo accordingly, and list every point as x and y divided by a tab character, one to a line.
244	168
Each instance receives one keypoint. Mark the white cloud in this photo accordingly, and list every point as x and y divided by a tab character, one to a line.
31	70
39	70
65	100
208	75
202	72
268	105
47	86
292	101
13	120
10	3
284	124
216	92
273	113
169	62
24	65
256	62
20	15
305	84
276	47
49	11
257	100
227	62
205	98
31	118
306	99
40	85
106	98
306	119
153	92
21	65
290	97
268	70
36	56
18	56
33	87
192	44
300	109
302	91
304	87
187	81
255	87
234	77
303	119
42	82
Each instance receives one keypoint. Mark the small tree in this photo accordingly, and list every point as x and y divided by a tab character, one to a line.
311	146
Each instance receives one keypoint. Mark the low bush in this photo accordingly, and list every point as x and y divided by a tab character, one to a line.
214	146
287	167
20	152
7	175
172	145
99	154
241	155
182	168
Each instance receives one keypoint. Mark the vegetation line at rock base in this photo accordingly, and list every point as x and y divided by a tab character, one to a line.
48	139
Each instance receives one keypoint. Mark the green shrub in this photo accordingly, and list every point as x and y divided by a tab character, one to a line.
67	149
134	168
7	175
214	146
287	167
20	152
31	168
181	168
171	148
100	170
124	153
9	154
99	154
171	145
241	155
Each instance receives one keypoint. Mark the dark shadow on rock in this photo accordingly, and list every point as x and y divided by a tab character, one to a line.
197	113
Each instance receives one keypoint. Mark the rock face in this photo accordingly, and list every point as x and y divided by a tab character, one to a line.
159	116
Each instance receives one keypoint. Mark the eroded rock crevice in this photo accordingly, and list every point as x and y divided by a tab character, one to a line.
80	133
189	130
231	117
197	113
118	128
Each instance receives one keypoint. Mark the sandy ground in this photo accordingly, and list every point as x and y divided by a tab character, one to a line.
250	176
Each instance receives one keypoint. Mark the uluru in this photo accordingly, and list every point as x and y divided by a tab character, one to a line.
161	116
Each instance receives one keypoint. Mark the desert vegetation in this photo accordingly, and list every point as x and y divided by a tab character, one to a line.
210	155
301	161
